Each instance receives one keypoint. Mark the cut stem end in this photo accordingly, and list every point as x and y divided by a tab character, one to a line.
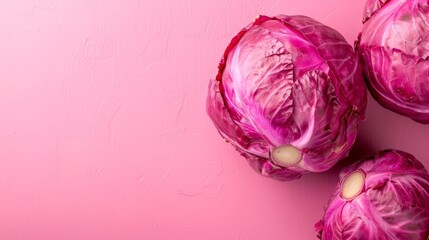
352	185
286	155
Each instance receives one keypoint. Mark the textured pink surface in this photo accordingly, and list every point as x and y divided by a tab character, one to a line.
104	133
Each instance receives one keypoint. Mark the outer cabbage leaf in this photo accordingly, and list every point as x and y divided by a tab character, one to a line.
288	80
371	7
394	51
393	204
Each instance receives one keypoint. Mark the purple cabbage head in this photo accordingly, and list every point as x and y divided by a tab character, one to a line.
385	197
394	50
288	96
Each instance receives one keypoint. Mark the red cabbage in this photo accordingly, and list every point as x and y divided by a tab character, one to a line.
394	51
385	197
288	96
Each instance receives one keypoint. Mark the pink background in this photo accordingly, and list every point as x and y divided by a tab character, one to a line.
104	133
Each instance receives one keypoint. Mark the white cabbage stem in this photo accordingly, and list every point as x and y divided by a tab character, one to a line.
352	185
286	155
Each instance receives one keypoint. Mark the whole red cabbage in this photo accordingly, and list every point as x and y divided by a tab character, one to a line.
391	203
288	96
394	49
